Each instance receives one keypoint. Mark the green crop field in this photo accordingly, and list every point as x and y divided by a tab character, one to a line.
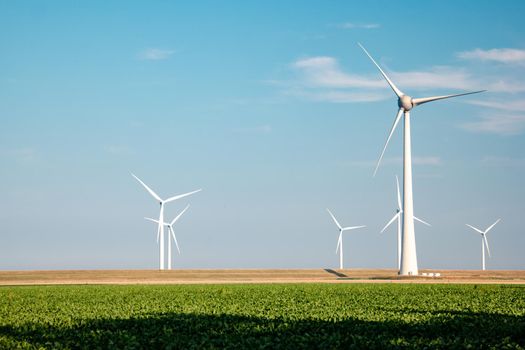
263	316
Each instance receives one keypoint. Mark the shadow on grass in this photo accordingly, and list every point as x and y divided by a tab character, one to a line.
193	331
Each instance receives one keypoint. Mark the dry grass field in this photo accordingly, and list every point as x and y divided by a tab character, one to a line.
50	277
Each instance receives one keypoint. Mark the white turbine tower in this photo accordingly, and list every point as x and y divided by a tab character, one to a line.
484	241
397	216
160	230
405	104
340	240
172	232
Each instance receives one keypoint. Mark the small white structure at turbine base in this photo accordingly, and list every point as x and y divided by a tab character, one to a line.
405	104
340	240
484	242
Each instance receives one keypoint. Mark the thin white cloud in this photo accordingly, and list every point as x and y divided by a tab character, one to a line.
324	71
154	54
118	150
503	161
23	155
501	124
508	105
352	25
509	56
260	129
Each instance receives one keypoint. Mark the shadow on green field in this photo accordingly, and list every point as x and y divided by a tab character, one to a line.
193	331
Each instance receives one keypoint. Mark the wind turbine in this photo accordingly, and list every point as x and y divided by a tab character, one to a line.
406	103
399	211
484	241
340	240
172	232
160	230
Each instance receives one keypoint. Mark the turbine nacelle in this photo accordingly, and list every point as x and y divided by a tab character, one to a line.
405	102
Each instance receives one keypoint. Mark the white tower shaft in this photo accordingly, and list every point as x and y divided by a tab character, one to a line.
341	253
399	242
482	254
161	238
408	251
169	250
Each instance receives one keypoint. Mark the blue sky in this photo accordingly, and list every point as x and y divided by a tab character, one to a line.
271	108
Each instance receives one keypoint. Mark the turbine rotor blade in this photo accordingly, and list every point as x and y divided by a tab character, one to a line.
475	229
396	121
178	216
399	205
339	241
348	228
422	221
156	196
390	222
174	238
420	101
335	220
153	220
491	226
398	92
171	199
486	244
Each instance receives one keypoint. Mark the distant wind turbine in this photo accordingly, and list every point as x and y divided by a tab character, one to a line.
340	240
160	230
397	216
405	103
484	241
172	232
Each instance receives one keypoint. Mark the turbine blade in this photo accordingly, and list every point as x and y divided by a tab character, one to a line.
150	219
390	222
486	244
335	220
420	101
475	229
158	234
396	121
174	238
491	226
339	241
171	199
178	216
348	228
147	188
422	221
394	88
399	205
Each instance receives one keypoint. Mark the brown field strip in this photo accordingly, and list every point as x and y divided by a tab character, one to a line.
53	277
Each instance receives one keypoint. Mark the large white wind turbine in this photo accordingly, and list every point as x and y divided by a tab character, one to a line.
340	240
484	241
405	104
172	232
160	230
397	216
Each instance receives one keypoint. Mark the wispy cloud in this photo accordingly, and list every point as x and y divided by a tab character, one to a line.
505	117
118	150
507	105
154	54
500	123
353	25
513	56
503	161
259	129
23	155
